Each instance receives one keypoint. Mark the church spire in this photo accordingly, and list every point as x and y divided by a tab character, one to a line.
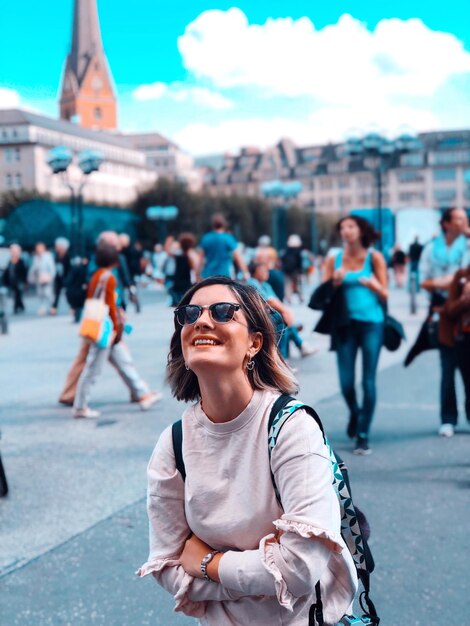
87	93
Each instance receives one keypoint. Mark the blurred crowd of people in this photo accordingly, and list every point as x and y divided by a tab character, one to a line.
354	280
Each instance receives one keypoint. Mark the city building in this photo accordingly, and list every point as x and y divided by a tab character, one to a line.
435	175
87	93
26	138
167	159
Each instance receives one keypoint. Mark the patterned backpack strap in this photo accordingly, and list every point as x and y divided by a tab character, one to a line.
350	528
282	409
351	531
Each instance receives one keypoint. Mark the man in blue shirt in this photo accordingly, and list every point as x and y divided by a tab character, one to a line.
440	259
219	251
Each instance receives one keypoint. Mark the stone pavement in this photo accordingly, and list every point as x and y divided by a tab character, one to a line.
74	530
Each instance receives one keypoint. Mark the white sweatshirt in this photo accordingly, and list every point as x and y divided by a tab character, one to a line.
228	501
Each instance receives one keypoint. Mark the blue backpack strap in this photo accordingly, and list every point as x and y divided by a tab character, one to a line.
177	437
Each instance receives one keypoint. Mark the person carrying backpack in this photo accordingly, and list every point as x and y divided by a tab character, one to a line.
241	530
292	268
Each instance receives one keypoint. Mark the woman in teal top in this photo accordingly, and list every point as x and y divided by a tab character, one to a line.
362	273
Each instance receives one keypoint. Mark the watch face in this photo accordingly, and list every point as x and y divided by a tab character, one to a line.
206	559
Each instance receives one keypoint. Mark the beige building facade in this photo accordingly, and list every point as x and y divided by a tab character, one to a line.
26	138
434	176
167	159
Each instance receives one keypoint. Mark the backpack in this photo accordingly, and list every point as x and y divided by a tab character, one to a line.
354	525
291	261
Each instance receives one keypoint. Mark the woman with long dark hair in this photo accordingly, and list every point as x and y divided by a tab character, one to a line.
361	273
220	541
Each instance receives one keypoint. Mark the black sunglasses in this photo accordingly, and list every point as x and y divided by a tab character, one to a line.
220	312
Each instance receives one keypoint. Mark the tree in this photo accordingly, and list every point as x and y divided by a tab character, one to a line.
249	217
9	200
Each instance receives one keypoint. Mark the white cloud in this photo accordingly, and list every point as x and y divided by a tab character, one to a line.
177	91
9	98
153	91
322	126
338	64
204	97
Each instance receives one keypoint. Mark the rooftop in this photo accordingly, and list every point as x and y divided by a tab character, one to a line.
12	117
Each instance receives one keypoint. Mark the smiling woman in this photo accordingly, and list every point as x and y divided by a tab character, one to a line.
220	541
208	300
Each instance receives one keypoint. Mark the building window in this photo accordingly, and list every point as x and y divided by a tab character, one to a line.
18	181
364	181
412	160
444	174
17	154
337	167
444	195
411	197
444	158
8	155
8	181
410	176
98	113
326	183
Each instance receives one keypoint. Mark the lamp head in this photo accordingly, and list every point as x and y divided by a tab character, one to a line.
90	161
59	159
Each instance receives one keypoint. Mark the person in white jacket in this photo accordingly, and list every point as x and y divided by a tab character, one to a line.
41	274
220	541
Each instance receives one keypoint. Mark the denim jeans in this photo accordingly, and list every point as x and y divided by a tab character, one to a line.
291	333
448	396
367	337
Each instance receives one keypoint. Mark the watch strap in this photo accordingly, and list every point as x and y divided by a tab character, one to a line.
205	562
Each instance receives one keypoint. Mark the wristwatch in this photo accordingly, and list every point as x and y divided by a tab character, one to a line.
205	562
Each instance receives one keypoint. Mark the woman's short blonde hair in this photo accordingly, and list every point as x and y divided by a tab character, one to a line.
270	371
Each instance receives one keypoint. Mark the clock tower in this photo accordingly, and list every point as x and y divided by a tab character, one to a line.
87	92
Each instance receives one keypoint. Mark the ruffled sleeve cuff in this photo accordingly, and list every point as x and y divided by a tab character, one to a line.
269	547
284	597
182	602
154	566
331	540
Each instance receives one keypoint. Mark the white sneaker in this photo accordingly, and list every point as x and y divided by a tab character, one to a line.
307	350
87	413
446	430
149	400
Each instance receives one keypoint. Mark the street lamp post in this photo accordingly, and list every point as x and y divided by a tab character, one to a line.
377	152
162	215
59	159
280	193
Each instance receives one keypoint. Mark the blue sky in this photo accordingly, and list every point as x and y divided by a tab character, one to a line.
217	76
